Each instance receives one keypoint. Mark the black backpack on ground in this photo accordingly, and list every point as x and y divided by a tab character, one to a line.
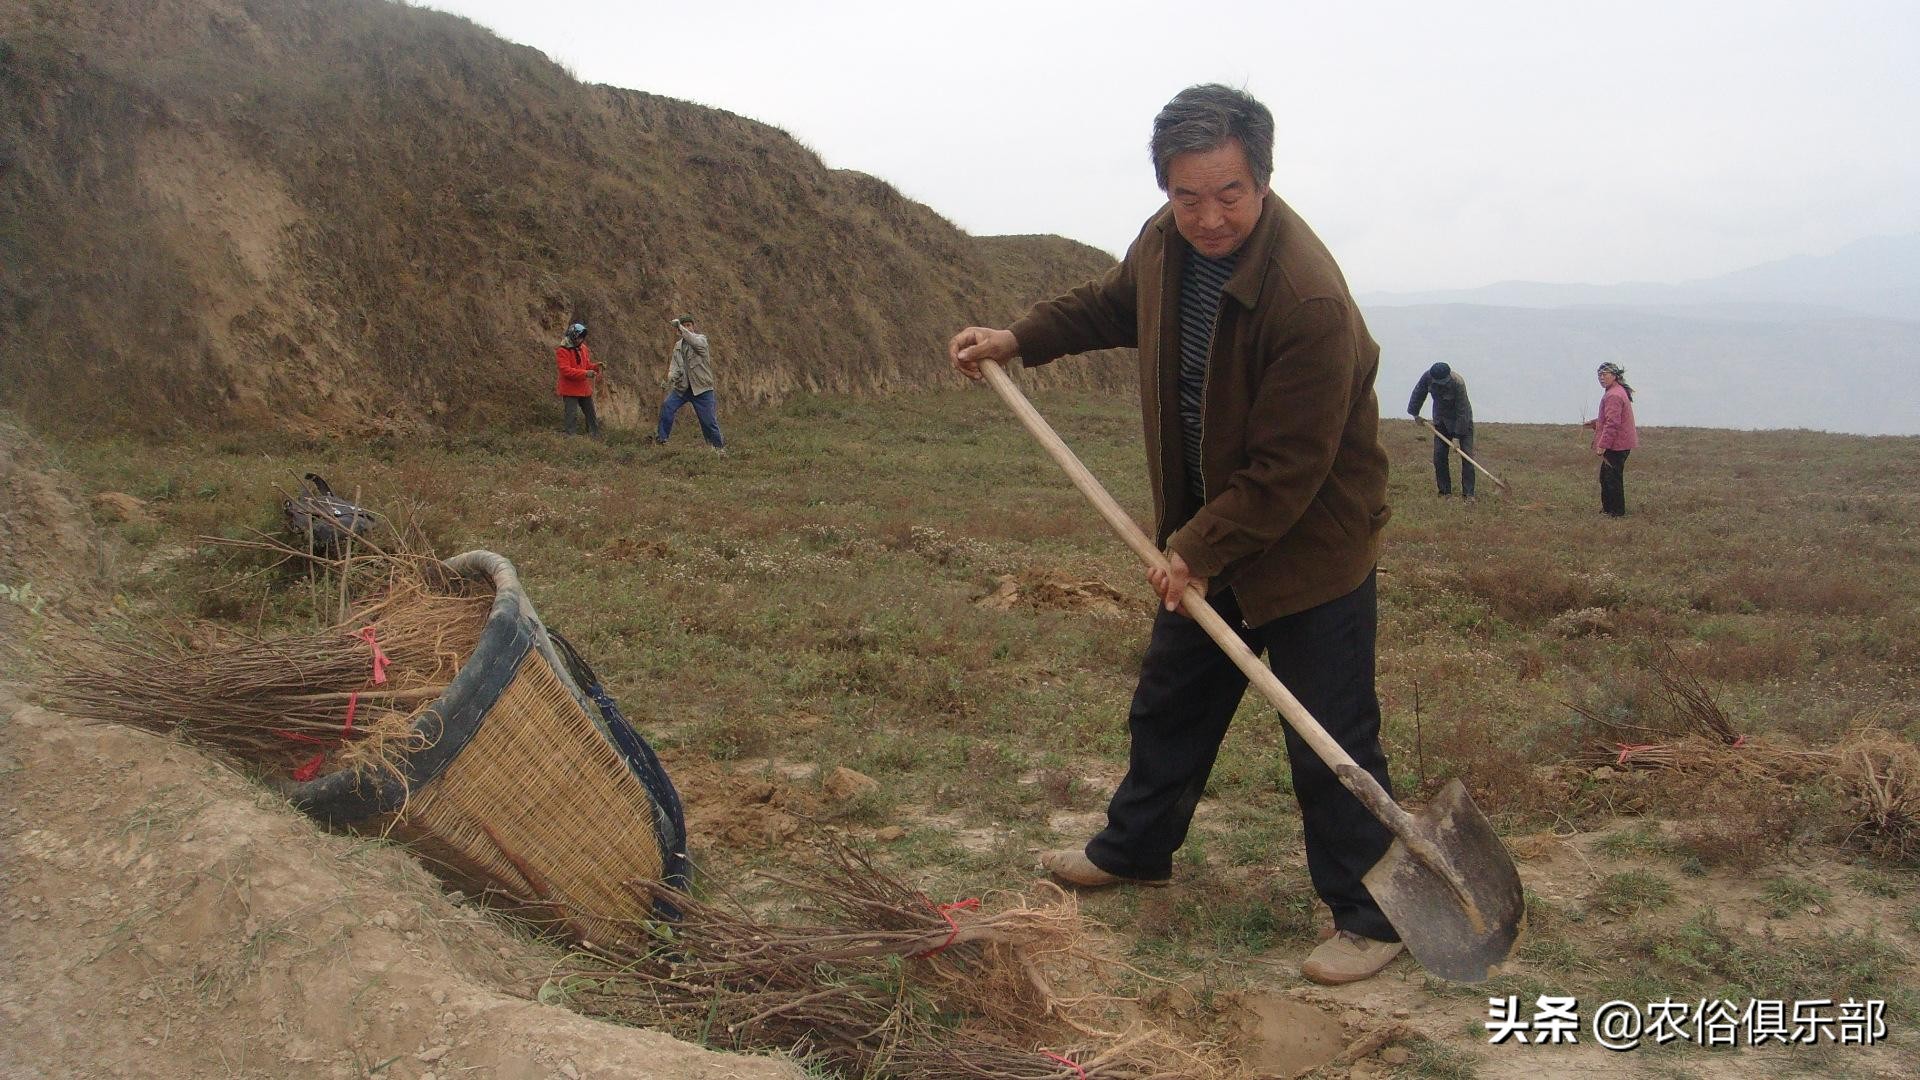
325	522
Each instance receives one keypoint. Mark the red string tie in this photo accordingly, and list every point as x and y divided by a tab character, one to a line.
953	928
1068	1062
310	768
1628	751
380	661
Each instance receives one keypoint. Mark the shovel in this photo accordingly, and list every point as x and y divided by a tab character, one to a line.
1447	884
1428	424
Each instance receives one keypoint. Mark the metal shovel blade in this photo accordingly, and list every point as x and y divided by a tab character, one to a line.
1447	884
1439	930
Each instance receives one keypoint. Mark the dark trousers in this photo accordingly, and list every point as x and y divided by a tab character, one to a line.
703	408
1613	482
582	405
1443	454
1186	697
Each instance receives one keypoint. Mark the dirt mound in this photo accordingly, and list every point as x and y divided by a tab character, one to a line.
1287	1037
1050	593
731	810
50	554
163	917
384	224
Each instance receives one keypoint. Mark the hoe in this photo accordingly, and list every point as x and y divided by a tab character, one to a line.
1428	424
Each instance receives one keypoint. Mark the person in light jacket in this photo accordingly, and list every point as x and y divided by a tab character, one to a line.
1614	437
1453	418
690	382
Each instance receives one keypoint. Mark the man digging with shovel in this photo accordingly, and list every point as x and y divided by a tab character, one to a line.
1269	488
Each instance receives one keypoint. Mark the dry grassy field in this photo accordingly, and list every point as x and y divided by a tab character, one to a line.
907	588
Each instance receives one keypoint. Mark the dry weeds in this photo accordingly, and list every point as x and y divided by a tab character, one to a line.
1880	777
1750	796
888	983
344	697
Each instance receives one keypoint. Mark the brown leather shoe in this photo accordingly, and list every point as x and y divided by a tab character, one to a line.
1347	957
1073	867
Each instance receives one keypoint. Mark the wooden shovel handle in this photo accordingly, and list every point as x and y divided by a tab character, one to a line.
1357	780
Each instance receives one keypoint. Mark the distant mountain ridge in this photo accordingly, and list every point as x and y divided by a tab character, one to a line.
1877	276
1827	342
1536	365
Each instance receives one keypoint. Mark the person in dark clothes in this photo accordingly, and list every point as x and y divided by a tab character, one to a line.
1452	417
1269	487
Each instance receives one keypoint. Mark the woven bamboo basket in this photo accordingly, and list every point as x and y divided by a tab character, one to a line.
529	784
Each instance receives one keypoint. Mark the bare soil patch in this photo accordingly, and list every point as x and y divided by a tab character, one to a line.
161	916
1048	592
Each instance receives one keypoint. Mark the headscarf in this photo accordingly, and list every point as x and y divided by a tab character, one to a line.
1619	375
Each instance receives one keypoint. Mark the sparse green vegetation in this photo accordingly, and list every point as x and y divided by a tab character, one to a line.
1550	952
1431	1059
1635	840
784	611
1877	884
1182	929
1630	892
1791	895
1701	954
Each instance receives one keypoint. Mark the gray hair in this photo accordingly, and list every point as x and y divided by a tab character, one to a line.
1206	117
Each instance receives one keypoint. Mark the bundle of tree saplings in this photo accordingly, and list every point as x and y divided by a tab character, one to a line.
885	982
307	704
1876	775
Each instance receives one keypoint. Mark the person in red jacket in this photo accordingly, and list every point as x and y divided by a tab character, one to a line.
577	374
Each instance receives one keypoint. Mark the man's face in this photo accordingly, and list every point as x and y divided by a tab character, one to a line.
1216	204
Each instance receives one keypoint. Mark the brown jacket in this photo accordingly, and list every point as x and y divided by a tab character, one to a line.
1294	474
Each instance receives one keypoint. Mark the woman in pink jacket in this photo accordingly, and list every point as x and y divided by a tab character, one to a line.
1614	437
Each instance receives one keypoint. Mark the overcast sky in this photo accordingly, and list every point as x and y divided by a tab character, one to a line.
1432	145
